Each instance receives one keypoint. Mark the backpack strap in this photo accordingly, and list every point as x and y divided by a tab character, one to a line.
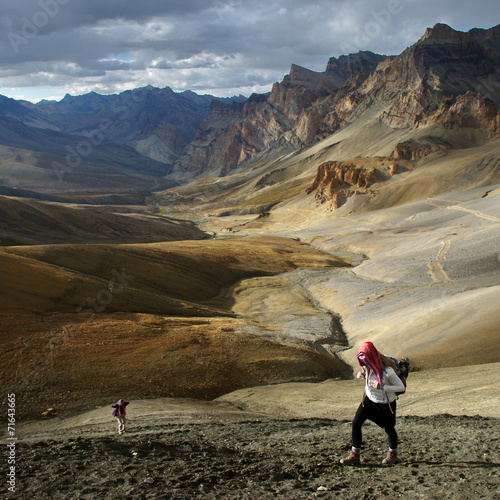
389	404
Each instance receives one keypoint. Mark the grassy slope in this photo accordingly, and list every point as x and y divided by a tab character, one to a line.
164	278
25	221
158	334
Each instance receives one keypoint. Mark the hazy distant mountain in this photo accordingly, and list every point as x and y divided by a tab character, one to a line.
132	117
135	114
41	159
97	141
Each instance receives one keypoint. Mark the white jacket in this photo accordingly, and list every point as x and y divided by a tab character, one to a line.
391	384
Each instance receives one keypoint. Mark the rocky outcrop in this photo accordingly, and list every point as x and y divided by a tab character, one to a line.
471	110
415	150
411	150
495	127
336	181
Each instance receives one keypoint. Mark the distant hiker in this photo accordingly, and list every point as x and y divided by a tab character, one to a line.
120	413
379	401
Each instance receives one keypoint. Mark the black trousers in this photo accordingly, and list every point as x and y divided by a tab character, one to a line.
380	414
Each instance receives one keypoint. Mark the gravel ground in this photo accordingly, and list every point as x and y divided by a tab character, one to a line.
442	456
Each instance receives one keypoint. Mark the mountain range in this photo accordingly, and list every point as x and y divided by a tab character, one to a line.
160	138
257	239
97	142
447	77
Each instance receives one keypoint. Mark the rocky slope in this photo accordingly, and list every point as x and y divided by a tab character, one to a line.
447	77
281	441
223	457
291	115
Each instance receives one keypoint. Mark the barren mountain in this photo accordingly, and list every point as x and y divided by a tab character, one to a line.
447	77
143	117
437	97
278	121
133	116
93	141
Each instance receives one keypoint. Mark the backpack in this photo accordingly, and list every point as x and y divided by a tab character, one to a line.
403	370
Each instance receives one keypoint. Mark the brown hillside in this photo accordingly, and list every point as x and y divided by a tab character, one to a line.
176	278
73	335
24	221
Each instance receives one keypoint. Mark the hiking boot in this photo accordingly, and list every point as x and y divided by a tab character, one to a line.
352	459
391	458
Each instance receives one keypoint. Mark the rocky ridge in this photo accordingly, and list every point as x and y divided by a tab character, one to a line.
336	181
292	115
445	71
447	77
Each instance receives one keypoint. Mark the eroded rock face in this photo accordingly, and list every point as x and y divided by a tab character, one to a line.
353	64
335	181
447	76
230	136
298	111
468	110
413	150
495	127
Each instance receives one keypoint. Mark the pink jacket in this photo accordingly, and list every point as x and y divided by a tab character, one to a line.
119	409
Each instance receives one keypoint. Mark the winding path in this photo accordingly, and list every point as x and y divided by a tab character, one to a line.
436	269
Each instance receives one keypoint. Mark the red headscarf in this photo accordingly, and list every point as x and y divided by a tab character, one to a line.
368	356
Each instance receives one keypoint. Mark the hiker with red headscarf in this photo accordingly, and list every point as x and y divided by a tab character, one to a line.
379	401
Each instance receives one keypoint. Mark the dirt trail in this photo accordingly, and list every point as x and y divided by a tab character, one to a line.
475	212
436	269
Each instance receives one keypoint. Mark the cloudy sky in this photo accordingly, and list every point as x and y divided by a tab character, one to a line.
221	47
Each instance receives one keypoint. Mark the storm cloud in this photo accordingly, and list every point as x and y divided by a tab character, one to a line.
221	47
